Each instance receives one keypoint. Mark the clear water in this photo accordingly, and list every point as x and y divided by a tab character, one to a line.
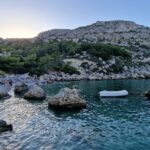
106	124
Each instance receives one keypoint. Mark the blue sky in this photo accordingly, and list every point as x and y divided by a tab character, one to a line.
26	18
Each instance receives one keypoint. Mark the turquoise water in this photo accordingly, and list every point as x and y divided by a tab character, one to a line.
106	124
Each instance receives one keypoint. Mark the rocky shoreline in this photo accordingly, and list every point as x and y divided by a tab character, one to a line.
95	76
60	76
65	100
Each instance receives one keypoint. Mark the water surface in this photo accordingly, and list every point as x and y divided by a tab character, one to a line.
106	124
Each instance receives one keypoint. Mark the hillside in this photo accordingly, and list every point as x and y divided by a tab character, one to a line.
103	48
125	33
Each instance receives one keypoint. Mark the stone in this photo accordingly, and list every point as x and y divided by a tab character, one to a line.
125	68
5	127
141	76
21	88
35	93
4	92
147	93
67	99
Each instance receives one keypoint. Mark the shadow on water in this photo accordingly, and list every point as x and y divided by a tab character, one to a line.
18	95
123	99
2	100
32	101
5	98
64	112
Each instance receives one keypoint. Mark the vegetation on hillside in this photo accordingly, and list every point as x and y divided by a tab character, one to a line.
40	57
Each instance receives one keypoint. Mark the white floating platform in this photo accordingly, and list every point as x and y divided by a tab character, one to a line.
121	93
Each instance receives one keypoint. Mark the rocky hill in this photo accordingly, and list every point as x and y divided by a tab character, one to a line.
108	45
119	32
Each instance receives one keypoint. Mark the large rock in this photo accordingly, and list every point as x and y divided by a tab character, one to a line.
67	99
4	92
35	93
147	93
21	88
5	127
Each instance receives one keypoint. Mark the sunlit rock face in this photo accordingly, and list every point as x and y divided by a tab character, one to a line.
67	99
116	32
35	93
4	92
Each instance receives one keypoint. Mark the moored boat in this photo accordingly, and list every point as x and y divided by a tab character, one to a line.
120	93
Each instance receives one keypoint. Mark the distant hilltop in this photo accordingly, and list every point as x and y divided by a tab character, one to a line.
115	32
118	32
97	51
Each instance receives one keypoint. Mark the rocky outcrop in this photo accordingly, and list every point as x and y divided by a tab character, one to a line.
4	92
35	93
147	93
67	99
21	88
125	33
5	127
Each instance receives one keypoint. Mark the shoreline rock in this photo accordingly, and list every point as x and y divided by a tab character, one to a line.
4	92
35	93
20	88
31	81
67	99
147	93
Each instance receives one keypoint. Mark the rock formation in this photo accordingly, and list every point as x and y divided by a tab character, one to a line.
35	93
67	99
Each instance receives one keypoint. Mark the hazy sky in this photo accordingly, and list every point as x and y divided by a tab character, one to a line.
26	18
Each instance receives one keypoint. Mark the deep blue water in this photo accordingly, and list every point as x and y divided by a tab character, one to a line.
106	124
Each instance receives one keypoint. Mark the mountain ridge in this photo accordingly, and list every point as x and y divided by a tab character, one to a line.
104	26
119	32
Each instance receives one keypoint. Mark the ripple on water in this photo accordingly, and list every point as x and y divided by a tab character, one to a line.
106	124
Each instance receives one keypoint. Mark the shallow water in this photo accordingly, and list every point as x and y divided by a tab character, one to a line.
106	124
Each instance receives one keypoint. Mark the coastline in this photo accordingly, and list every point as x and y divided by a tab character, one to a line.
60	76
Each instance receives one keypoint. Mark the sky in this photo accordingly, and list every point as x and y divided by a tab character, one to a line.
27	18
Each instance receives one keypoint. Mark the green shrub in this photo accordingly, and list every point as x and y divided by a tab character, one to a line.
69	69
105	51
118	66
40	57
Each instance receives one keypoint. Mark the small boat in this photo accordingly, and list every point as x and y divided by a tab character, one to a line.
121	93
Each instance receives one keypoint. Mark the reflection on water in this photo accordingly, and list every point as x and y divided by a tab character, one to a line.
106	124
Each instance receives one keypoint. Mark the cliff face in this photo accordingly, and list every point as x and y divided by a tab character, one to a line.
124	33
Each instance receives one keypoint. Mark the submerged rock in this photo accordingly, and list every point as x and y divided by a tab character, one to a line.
4	92
5	127
67	99
147	93
21	88
35	93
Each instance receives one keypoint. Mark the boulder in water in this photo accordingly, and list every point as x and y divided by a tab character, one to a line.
147	93
5	127
67	99
35	93
4	92
21	88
